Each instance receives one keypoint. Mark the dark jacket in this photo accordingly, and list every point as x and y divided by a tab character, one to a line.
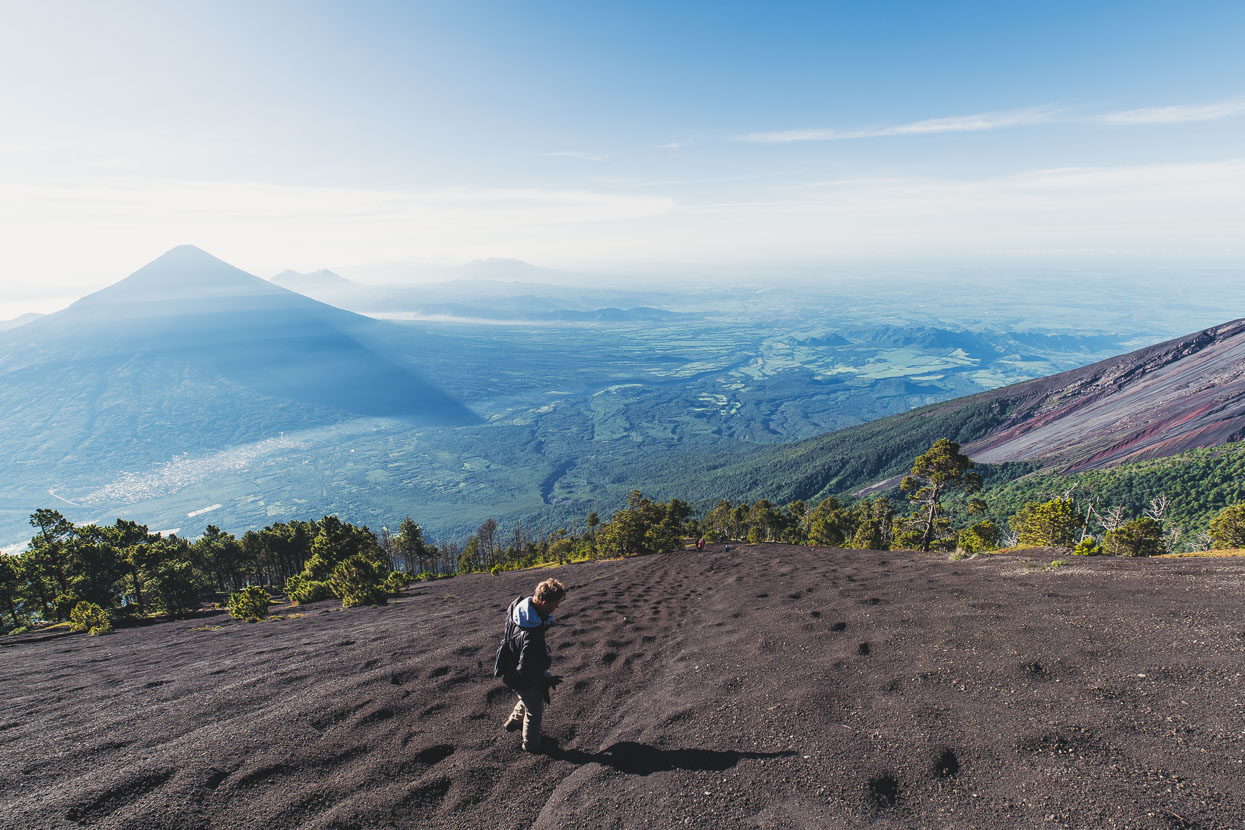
525	636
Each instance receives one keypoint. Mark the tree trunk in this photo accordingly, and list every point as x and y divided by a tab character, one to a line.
929	520
138	589
43	599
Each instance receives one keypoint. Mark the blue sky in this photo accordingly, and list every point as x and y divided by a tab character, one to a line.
670	138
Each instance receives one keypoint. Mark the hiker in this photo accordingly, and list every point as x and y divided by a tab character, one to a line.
527	658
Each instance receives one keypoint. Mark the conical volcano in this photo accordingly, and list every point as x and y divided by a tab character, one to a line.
191	353
185	273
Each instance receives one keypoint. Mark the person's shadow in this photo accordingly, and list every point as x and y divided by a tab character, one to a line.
640	759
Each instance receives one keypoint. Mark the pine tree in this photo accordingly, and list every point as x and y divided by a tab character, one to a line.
940	470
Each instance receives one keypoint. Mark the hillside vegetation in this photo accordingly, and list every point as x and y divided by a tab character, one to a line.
89	574
833	464
1196	485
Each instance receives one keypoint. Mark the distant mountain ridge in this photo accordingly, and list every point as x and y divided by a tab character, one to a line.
20	320
982	345
519	311
327	287
469	299
293	280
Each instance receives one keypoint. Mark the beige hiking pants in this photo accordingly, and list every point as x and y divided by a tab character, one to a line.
531	710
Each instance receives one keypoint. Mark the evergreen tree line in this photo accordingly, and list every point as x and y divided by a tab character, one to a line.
126	570
123	569
941	508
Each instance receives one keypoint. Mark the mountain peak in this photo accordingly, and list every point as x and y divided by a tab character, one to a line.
185	251
188	262
184	273
19	321
185	257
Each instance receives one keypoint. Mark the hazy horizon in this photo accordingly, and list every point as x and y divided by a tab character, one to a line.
1212	289
696	141
19	300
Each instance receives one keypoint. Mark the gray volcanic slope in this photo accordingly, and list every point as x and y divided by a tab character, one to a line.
1174	396
768	686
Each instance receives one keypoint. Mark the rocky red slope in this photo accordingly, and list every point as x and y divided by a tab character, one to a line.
768	686
1164	399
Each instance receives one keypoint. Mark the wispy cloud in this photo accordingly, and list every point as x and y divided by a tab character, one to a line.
951	124
572	154
1191	210
1010	118
675	145
1175	114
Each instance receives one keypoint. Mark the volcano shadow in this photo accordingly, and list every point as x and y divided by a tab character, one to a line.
641	759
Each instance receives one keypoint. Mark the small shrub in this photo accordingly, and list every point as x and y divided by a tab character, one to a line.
869	536
1057	563
1087	547
980	537
905	536
1140	537
21	629
560	551
318	568
299	588
89	617
1227	530
425	576
251	603
359	580
396	582
63	604
1046	524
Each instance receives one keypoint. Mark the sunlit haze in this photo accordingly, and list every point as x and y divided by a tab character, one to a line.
382	140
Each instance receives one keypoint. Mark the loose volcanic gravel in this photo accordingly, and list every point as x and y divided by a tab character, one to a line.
766	686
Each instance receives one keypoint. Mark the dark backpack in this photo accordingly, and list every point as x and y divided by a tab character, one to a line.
506	660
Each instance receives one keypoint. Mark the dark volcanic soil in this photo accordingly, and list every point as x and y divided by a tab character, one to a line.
770	686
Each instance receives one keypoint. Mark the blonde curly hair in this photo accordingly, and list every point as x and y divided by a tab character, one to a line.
551	590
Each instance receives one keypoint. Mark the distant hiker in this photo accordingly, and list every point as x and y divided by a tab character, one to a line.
700	543
524	658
